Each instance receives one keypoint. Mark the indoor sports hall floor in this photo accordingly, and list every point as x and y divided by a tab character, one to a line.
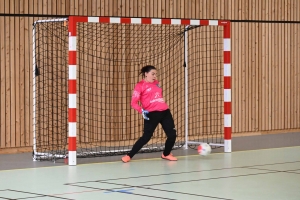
263	167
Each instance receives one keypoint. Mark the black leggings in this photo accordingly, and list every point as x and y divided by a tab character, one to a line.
166	120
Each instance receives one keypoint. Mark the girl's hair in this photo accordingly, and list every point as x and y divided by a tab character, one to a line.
146	68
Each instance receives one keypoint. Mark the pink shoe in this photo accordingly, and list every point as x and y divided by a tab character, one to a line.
169	157
126	159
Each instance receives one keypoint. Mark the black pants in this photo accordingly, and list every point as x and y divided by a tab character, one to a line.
166	120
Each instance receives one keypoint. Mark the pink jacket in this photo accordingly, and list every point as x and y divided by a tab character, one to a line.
150	96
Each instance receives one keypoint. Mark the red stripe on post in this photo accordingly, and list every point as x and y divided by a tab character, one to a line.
146	21
72	114
72	86
72	57
72	143
186	21
126	20
227	133
226	57
227	82
82	19
227	30
166	21
72	26
227	107
204	22
104	19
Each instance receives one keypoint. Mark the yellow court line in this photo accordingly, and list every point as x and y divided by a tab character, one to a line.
142	159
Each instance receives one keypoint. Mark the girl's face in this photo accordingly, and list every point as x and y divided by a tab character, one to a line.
150	76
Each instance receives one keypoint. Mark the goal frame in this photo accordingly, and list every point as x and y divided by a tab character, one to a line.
73	20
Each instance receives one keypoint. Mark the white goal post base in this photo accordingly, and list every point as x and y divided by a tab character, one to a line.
226	145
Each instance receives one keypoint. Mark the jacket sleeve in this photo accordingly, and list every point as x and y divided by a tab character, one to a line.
136	98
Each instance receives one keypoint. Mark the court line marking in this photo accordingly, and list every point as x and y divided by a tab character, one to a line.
143	159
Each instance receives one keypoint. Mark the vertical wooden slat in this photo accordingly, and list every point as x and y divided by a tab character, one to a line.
4	132
21	77
12	73
7	80
17	81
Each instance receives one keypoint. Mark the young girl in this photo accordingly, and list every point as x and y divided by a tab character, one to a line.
154	111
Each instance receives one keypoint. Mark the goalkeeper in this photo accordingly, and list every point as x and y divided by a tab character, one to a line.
154	111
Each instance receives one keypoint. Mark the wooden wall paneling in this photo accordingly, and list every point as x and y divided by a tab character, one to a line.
268	64
89	7
28	21
54	7
283	75
80	7
61	7
101	8
34	5
248	92
143	9
171	5
176	9
273	72
16	83
234	75
163	9
75	7
21	71
2	6
251	76
229	6
12	74
67	7
287	71
3	83
295	57
266	91
242	101
277	78
2	79
262	78
270	73
257	62
42	7
223	9
181	9
157	12
291	100
294	79
86	10
294	75
7	78
72	6
29	77
265	78
194	10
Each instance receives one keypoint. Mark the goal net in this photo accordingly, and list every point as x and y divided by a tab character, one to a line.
85	69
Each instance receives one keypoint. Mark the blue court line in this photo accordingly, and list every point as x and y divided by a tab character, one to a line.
121	191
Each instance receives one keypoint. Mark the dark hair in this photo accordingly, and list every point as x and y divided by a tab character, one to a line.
146	68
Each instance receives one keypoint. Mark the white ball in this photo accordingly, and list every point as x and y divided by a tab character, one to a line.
204	149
